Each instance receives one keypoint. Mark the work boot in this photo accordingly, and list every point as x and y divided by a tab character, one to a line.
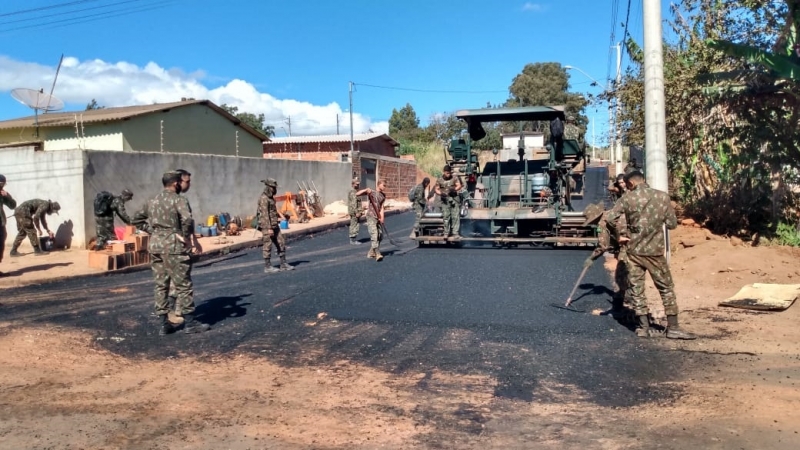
191	326
353	241
166	326
643	330
675	332
14	252
371	253
268	267
285	267
39	252
378	255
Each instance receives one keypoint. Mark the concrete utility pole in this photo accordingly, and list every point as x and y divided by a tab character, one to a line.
337	124
289	123
655	124
351	121
617	109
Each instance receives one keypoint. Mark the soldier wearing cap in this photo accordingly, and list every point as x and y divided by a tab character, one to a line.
354	211
29	215
168	219
6	200
105	220
269	221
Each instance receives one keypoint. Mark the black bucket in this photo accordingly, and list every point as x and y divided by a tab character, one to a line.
45	243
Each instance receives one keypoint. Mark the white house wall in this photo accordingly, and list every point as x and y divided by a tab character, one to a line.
112	141
56	176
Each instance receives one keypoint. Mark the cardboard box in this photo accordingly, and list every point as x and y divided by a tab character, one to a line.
122	247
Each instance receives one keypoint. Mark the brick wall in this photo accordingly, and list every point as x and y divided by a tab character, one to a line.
400	177
325	151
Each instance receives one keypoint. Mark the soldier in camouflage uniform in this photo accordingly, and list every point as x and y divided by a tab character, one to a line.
6	200
354	210
448	187
608	242
29	215
269	222
105	223
168	218
572	130
646	211
375	217
419	203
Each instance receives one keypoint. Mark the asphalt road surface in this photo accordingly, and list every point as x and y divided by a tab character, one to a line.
502	297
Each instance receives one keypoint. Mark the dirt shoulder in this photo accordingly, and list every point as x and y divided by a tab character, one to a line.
59	389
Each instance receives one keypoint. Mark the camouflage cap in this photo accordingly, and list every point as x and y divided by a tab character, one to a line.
593	214
127	193
270	182
55	207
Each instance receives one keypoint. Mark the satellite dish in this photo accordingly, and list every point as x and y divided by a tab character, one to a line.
37	100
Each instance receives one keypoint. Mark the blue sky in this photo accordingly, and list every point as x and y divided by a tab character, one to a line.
295	58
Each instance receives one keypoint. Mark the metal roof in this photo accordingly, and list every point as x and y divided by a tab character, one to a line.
511	114
331	138
64	119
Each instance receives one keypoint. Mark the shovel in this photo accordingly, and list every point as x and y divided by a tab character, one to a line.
568	305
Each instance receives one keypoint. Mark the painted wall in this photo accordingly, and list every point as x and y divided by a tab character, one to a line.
194	129
219	183
190	129
56	176
326	151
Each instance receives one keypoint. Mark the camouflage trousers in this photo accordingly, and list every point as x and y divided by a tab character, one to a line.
658	268
354	226
419	210
621	280
25	228
375	232
451	214
173	271
277	239
3	236
105	231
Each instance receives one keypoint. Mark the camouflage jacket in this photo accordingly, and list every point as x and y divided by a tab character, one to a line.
572	131
268	217
609	240
353	203
118	208
376	200
168	219
448	186
35	209
9	202
419	196
646	211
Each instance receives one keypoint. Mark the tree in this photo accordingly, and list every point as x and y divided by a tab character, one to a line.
93	105
443	127
254	121
547	84
404	124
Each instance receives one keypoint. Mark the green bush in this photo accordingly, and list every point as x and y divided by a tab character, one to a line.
787	234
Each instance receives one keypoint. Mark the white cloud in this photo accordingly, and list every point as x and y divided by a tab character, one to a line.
124	84
535	7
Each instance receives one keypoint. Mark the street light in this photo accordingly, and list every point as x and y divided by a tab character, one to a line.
613	129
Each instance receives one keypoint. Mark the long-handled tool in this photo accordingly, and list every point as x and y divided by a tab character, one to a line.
568	305
388	236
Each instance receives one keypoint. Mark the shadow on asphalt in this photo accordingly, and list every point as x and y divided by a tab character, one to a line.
38	268
218	260
217	309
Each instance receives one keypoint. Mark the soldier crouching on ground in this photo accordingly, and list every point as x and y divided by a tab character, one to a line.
354	211
375	217
30	214
646	211
608	242
419	202
171	226
6	200
105	206
269	222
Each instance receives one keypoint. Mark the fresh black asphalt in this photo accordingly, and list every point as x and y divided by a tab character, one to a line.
473	311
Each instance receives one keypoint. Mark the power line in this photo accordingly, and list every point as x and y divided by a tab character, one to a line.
28	19
625	33
42	8
431	91
92	17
